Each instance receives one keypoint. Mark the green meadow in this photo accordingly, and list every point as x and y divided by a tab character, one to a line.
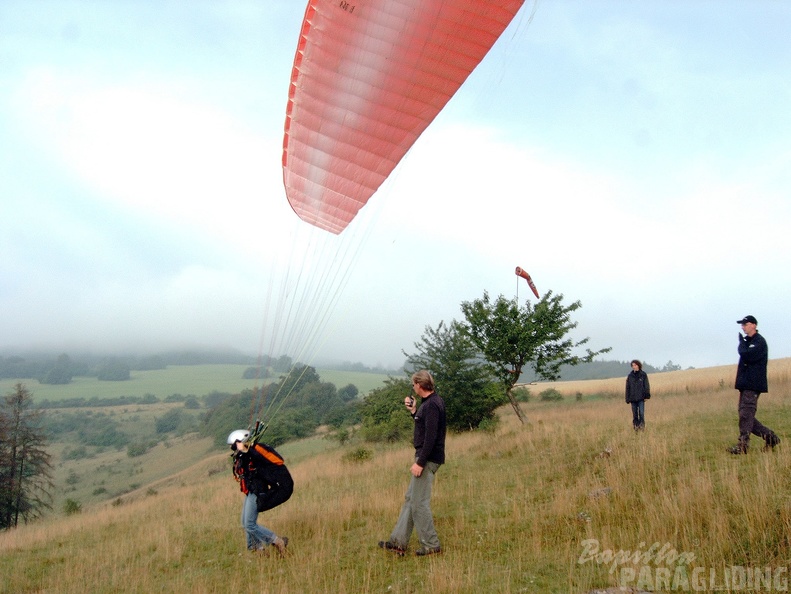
196	380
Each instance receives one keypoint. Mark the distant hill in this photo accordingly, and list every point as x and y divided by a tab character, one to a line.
600	370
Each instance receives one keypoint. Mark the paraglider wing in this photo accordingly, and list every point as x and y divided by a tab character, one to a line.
369	76
523	273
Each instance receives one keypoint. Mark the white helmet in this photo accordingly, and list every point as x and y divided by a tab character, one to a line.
238	435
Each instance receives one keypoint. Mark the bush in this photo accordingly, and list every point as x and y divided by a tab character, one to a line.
71	507
137	449
78	453
490	425
550	395
358	455
522	394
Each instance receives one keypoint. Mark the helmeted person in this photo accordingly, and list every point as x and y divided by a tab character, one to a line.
266	483
751	381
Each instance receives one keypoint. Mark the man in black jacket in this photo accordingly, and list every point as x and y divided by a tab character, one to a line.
429	441
751	382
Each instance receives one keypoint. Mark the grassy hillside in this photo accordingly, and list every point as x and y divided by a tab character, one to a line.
197	380
521	510
90	475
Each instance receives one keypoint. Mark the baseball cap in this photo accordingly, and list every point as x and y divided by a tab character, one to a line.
746	319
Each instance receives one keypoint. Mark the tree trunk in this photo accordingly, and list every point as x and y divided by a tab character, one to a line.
517	409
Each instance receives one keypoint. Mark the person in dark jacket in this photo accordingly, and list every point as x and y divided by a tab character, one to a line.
265	481
429	441
637	392
751	381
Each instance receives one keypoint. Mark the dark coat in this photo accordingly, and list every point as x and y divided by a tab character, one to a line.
263	471
430	427
753	358
637	387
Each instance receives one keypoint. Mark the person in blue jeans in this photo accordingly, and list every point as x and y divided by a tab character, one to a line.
638	391
429	442
265	481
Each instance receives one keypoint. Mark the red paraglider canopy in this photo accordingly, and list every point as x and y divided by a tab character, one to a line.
369	76
523	273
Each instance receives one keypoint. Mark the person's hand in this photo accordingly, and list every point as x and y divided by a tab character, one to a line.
410	403
416	469
741	337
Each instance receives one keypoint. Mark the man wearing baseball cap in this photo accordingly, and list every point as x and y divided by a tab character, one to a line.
751	382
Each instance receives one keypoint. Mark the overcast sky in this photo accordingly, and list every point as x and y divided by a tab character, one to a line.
635	156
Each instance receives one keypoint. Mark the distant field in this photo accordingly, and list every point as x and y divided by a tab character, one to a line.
197	380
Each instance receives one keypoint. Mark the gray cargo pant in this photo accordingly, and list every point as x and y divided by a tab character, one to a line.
748	406
416	511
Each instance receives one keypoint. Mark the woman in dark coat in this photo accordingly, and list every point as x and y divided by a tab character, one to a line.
637	392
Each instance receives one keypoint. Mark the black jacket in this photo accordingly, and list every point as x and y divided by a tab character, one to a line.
637	387
753	358
429	436
261	470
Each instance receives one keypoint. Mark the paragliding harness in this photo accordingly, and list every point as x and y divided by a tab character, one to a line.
263	471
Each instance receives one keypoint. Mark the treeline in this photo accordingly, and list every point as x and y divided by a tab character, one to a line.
293	408
362	368
601	370
62	368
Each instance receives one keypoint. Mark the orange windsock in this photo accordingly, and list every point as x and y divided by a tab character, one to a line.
523	273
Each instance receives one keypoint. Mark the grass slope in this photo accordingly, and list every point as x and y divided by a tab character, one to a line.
514	510
196	380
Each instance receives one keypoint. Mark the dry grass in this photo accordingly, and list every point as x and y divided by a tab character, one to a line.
512	509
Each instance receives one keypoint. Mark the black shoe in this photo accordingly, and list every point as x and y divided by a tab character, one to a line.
424	551
392	547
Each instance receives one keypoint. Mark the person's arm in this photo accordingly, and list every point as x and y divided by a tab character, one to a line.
753	351
431	424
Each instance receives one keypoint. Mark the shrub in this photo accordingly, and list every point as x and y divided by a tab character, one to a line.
136	449
550	395
522	394
489	425
71	507
358	455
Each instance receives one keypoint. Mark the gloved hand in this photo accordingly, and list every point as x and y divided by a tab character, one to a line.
741	337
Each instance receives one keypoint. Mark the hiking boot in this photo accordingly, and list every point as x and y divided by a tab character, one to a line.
771	441
739	448
424	551
280	544
392	547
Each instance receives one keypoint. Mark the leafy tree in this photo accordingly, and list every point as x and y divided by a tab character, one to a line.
257	372
282	363
384	417
169	421
25	468
59	373
463	379
512	337
348	393
113	370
